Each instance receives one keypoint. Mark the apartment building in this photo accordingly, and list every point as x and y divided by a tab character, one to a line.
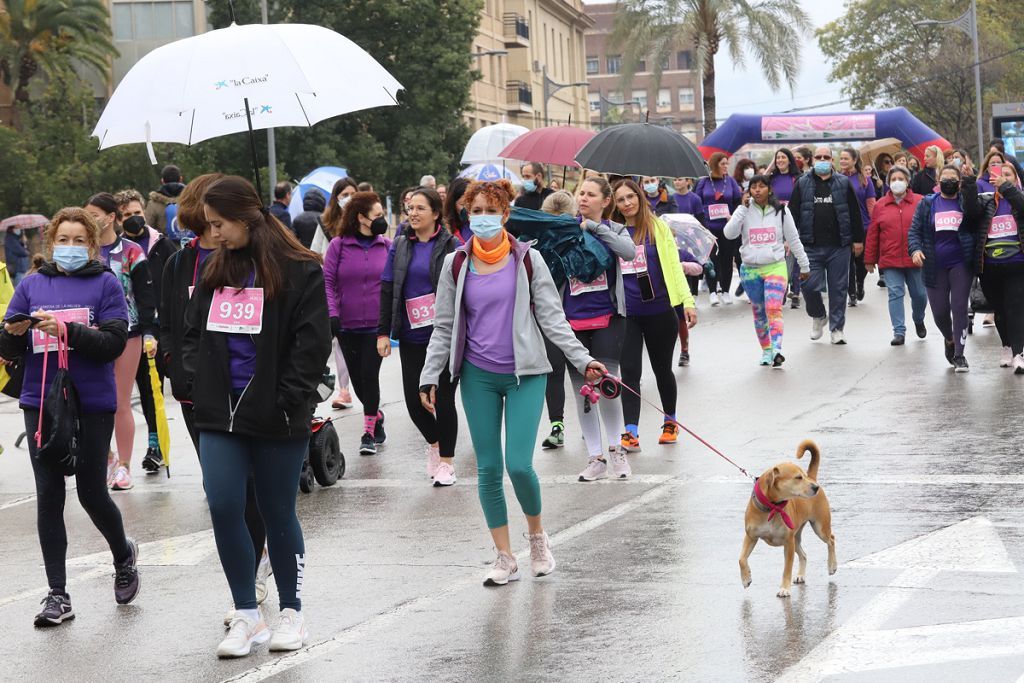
675	100
140	26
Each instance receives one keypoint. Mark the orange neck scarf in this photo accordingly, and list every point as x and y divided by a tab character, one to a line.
496	254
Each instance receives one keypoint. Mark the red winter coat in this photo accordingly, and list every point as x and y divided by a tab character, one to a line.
886	243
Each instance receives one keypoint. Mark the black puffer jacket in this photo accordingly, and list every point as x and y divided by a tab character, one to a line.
291	354
305	224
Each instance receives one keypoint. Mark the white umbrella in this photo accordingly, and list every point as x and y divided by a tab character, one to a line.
485	145
243	78
490	172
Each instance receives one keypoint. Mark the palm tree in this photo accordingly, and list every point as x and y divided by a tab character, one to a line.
51	35
772	29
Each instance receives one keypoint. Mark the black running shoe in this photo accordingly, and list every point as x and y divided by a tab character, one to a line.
794	301
960	364
153	461
950	352
897	340
56	610
739	290
684	359
922	331
380	437
853	301
556	439
126	576
881	283
367	446
778	360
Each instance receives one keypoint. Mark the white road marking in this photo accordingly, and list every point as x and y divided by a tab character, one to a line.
861	644
353	634
898	480
18	501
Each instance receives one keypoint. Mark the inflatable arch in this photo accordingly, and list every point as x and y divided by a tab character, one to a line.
802	129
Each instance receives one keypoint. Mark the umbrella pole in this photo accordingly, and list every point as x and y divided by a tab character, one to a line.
252	149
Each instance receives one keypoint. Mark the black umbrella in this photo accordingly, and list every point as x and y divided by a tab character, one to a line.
642	149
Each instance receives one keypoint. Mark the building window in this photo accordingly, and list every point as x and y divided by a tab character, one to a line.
159	21
664	63
684	60
641	97
614	64
664	99
593	65
595	101
641	66
686	99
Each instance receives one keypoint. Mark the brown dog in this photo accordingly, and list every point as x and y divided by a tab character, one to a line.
785	498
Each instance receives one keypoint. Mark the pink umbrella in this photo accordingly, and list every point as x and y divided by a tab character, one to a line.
552	145
24	220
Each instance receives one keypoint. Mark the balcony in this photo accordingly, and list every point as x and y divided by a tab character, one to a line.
517	30
519	97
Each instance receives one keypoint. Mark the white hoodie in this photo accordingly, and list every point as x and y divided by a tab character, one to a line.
765	233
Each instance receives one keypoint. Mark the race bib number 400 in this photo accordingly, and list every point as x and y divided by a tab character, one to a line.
948	220
40	339
238	311
420	311
1002	226
637	265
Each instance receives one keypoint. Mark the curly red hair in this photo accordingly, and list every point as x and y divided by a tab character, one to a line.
498	193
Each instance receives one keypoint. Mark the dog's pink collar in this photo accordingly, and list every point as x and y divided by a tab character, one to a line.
768	506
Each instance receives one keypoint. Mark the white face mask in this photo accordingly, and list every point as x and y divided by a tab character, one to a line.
898	186
342	201
748	173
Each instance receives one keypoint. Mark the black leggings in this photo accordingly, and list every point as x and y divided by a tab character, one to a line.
253	519
145	385
659	333
858	273
1003	286
554	394
441	428
723	258
363	361
91	484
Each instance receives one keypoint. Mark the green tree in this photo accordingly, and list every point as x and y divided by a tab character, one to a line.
47	35
882	59
772	30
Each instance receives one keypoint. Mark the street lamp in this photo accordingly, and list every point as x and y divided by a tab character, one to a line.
489	53
605	101
550	88
968	24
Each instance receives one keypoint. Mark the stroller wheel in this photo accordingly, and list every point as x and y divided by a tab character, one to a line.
306	478
325	456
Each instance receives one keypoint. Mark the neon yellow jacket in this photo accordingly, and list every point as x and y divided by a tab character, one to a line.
6	293
668	256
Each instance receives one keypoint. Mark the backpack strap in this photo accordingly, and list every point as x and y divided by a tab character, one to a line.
460	260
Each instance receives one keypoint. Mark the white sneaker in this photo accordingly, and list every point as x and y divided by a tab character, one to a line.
726	298
111	467
1006	357
818	327
290	632
838	337
228	616
620	466
433	460
445	475
242	634
542	562
596	469
714	298
503	570
122	479
263	571
1018	364
702	286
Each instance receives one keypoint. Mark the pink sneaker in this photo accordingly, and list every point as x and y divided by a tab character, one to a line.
122	479
342	400
445	475
433	460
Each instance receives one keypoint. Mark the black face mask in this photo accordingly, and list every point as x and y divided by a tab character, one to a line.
379	226
949	186
134	225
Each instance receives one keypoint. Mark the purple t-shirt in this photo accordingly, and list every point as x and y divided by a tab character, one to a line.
242	354
689	203
635	305
948	217
985	186
103	296
864	192
782	186
585	300
720	198
417	283
488	302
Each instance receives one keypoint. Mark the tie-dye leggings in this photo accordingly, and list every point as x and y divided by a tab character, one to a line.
766	288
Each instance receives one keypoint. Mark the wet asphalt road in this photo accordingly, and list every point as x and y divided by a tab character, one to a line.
922	469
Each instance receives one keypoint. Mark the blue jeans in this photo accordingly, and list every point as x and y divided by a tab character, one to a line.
831	265
897	281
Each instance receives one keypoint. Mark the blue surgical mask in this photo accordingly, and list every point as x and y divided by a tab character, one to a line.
70	258
529	186
485	225
651	188
822	167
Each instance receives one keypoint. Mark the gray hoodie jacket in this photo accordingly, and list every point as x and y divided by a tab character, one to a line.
448	340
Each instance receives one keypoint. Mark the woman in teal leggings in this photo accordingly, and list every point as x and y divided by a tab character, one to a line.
493	342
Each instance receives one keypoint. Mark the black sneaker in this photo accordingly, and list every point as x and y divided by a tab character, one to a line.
881	283
794	301
739	290
684	359
860	291
950	352
922	331
778	360
367	446
56	609
126	576
153	461
853	301
380	437
960	364
556	439
897	340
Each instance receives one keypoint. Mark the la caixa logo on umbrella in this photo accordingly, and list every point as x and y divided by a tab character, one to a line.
254	111
239	82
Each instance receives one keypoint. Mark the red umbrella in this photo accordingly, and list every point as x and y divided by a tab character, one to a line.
552	145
